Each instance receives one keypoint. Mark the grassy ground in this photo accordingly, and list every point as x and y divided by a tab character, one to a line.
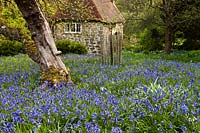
151	92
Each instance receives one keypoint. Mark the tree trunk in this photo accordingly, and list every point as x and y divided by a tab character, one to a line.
168	39
169	19
48	58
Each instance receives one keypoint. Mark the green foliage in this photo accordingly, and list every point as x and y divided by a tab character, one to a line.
190	20
134	47
189	45
2	37
11	16
194	53
183	16
68	46
8	47
151	39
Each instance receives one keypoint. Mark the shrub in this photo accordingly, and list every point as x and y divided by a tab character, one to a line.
133	47
132	44
68	46
151	39
8	47
190	45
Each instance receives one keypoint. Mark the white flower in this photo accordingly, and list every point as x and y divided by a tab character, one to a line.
102	88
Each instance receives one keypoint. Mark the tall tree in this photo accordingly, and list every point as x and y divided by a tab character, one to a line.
134	12
190	20
45	52
172	15
168	17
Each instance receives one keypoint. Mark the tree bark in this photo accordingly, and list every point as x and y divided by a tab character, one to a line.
168	39
169	22
48	58
169	25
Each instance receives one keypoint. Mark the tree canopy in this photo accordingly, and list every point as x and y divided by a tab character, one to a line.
169	18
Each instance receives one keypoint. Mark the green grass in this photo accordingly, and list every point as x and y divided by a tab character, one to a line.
147	93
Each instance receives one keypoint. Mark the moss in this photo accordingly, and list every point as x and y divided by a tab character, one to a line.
55	75
30	47
29	43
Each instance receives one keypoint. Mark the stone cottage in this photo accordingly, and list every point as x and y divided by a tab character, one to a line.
96	23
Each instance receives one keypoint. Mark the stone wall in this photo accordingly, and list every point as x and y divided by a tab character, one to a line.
91	35
94	35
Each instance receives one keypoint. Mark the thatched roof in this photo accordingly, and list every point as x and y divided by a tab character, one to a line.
90	10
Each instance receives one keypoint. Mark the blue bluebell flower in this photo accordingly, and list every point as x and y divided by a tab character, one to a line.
184	109
183	128
116	130
170	125
94	115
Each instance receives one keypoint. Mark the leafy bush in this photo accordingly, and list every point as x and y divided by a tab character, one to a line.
132	48
190	45
151	39
68	46
8	47
132	44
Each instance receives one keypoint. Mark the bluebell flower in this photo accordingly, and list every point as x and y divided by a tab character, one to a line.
170	125
177	86
34	129
171	90
141	115
165	104
7	127
184	109
94	115
145	89
195	103
157	107
183	128
92	127
160	129
185	95
2	116
131	118
116	130
148	104
155	122
171	99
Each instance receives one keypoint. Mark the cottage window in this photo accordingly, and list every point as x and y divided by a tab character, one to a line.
73	28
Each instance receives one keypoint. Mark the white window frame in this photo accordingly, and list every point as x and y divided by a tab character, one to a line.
68	28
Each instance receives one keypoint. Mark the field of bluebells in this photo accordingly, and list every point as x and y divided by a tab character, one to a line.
147	94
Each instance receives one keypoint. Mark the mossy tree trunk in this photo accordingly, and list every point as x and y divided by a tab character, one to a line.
46	54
